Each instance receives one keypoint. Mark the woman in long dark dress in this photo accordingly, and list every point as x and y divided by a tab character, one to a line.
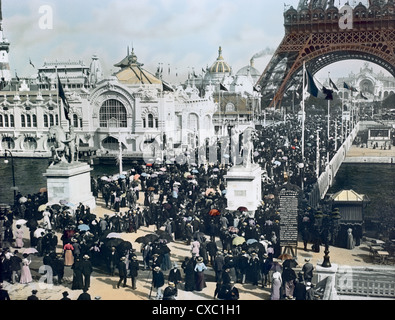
78	282
199	274
188	267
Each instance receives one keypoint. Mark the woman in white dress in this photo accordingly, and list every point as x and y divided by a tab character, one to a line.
19	236
26	276
47	220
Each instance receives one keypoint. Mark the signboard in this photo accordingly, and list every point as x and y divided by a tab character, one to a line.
288	218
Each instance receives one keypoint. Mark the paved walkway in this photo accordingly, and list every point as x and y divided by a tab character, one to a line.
104	286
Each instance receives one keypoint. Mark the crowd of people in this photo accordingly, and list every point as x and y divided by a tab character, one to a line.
186	202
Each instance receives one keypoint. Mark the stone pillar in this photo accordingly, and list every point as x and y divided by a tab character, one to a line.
70	182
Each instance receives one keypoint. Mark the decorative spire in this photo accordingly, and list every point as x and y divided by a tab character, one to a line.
220	53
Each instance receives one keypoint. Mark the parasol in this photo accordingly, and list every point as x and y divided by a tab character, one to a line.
43	190
238	241
83	227
30	251
37	232
186	174
149	164
66	203
242	209
42	207
22	200
113	235
251	241
194	171
215	170
214	212
151	189
285	256
209	190
163	169
104	178
21	222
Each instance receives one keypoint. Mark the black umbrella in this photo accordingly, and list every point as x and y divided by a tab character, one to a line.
141	240
151	237
113	242
124	246
164	235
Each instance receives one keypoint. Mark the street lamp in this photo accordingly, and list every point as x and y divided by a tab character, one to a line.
13	170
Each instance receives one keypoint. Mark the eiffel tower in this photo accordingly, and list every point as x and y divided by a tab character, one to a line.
314	35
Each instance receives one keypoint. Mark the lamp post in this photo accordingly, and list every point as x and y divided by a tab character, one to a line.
13	170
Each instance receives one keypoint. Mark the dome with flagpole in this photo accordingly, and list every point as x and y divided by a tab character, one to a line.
219	70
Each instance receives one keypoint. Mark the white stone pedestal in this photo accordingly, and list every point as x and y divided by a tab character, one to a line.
70	182
244	188
330	273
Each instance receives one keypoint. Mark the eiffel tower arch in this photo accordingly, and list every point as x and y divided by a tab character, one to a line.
314	35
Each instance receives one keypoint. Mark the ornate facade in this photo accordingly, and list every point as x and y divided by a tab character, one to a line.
132	110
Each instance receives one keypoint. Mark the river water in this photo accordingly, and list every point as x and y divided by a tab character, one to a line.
377	181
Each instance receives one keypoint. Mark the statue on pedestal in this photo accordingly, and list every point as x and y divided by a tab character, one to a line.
234	150
65	148
247	148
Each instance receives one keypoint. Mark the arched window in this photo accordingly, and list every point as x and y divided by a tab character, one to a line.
113	114
34	121
6	123
75	121
150	121
28	121
193	122
1	121
23	121
46	124
51	120
110	143
12	122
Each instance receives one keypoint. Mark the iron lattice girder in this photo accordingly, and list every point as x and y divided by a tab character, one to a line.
321	49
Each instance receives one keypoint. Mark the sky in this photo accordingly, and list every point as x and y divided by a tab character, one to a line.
181	35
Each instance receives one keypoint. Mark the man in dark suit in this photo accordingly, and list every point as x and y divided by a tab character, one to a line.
122	272
86	271
134	267
219	264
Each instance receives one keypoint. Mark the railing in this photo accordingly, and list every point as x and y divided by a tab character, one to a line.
326	178
377	282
